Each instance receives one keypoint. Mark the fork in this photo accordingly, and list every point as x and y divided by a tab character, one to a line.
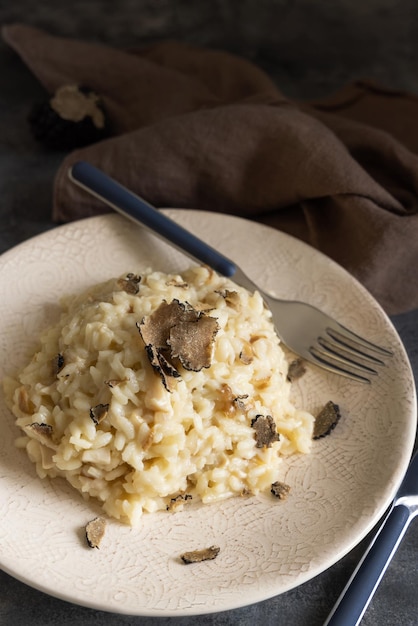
305	330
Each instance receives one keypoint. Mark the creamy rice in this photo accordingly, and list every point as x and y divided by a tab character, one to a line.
153	444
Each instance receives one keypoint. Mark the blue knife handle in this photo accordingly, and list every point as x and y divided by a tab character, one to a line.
129	204
353	601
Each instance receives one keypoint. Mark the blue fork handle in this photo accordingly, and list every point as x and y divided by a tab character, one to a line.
132	206
354	599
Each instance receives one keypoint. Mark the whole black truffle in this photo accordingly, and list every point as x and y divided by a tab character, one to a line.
73	117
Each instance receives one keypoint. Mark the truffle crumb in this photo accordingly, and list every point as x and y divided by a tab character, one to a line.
174	282
297	369
113	382
240	402
232	298
246	355
228	402
177	504
130	284
99	412
42	433
57	364
197	556
280	490
95	530
326	420
265	431
225	400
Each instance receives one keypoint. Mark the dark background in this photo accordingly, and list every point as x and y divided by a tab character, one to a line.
310	46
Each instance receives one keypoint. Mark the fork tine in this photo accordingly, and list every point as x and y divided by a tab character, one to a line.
345	358
353	341
342	366
341	349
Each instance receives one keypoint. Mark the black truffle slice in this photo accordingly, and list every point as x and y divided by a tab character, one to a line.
95	530
197	556
163	367
296	370
73	117
99	412
265	431
326	420
155	328
280	490
191	342
176	334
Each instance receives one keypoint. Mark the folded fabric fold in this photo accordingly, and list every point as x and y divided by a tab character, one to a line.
204	129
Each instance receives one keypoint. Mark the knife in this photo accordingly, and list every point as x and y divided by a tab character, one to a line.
358	592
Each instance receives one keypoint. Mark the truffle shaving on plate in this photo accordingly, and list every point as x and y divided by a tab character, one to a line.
159	388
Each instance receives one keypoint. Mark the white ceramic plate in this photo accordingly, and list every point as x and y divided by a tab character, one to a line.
266	546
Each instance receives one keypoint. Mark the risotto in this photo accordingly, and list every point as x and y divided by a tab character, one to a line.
157	389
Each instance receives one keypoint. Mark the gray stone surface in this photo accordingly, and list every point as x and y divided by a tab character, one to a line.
310	48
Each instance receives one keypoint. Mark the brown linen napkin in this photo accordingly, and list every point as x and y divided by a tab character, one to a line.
198	128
